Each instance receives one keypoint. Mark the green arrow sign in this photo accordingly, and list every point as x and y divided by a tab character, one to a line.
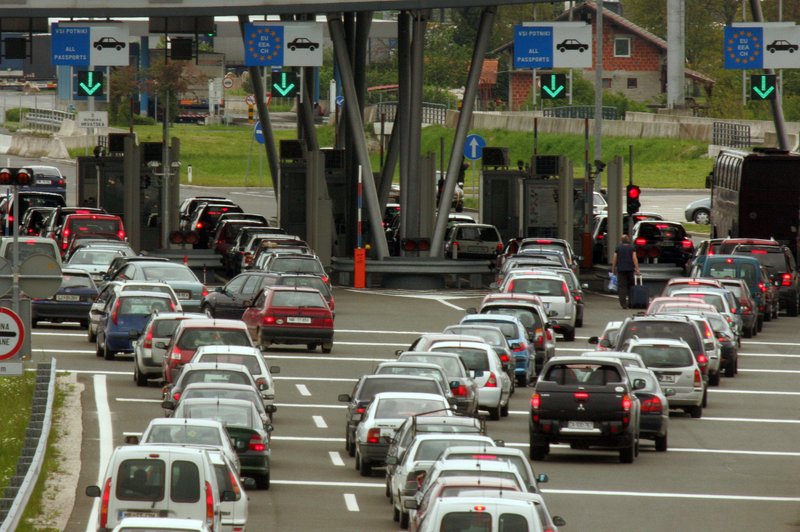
90	83
287	85
554	87
762	87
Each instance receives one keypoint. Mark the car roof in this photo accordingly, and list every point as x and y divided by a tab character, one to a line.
214	322
174	315
75	271
456	436
229	349
474	465
405	364
658	341
467	343
430	353
397	377
572	359
502	451
141	293
463	420
408	395
489	317
219	386
472	480
200	366
217	401
199	422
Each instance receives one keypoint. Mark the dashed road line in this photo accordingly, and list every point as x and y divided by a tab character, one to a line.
319	421
336	458
322	379
303	390
351	502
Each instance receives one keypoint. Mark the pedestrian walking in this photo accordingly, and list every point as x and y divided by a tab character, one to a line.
625	265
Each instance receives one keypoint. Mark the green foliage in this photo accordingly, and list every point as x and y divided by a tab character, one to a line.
15	415
14	114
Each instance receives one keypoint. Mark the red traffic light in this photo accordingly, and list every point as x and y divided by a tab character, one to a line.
15	176
634	192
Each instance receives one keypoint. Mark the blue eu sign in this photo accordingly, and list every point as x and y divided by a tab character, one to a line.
263	45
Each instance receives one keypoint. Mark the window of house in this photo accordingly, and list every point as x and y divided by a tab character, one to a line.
606	83
632	83
622	47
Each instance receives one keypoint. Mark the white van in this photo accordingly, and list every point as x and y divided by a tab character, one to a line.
159	481
28	246
481	513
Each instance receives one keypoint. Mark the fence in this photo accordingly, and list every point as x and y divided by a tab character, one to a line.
731	135
45	119
432	113
581	111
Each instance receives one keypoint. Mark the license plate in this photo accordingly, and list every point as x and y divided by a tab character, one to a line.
184	295
42	181
292	319
580	425
65	297
475	249
666	378
138	513
667	244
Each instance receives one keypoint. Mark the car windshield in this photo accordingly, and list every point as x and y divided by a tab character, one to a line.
184	433
508	329
672	330
474	359
95	257
250	362
405	407
69	280
524	315
450	365
231	415
164	328
193	338
220	393
539	287
372	387
723	269
714	300
143	305
410	370
775	260
28	248
664	356
214	376
287	298
291	264
167	273
431	449
487	335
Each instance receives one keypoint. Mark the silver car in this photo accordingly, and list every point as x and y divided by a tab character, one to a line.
249	357
554	292
676	369
147	356
473	241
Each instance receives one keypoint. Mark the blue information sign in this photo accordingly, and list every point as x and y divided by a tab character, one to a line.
743	47
263	45
473	147
70	46
340	100
258	133
533	47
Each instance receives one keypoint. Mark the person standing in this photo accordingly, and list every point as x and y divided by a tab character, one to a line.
625	265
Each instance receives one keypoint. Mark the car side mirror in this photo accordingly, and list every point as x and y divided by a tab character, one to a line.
132	439
669	392
584	285
248	482
452	401
475	373
410	504
274	370
344	398
541	478
605	343
559	521
269	427
219	289
472	310
270	409
551	313
454	384
514	346
167	404
92	491
391	460
493	286
398	352
161	345
500	443
228	496
133	334
639	384
593	340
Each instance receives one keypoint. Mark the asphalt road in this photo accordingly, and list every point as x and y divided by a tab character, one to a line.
734	469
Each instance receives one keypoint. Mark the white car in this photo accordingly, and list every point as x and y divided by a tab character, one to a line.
470	468
421	454
494	385
499	454
384	415
250	357
206	433
235	512
165	524
554	292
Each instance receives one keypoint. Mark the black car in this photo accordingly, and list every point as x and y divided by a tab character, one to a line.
368	386
781	265
600	232
781	45
303	43
728	341
232	258
27	199
571	44
70	303
662	241
109	42
204	221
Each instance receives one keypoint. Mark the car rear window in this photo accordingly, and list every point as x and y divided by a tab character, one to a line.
290	264
196	337
487	335
215	376
166	273
664	356
539	287
95	225
541	246
733	270
166	327
222	393
94	256
671	330
184	482
69	280
161	289
39	201
661	231
431	449
527	317
584	374
508	329
403	408
141	480
474	359
28	248
715	300
416	371
297	299
772	259
472	521
143	305
449	365
247	361
307	282
371	387
184	433
229	414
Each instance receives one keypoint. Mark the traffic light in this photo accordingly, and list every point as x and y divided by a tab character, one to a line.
16	176
90	83
633	193
763	87
554	87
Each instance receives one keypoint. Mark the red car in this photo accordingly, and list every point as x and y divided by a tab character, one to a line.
290	315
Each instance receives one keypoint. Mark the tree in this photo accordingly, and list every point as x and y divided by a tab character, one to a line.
175	77
123	86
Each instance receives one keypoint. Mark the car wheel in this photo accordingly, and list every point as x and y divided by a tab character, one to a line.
494	413
627	454
768	314
748	333
792	308
84	324
365	467
293	48
404	519
349	445
207	311
99	48
388	491
327	347
537	450
759	324
569	336
312	48
311	347
661	443
579	322
701	217
504	410
262	482
395	513
99	350
730	369
704	404
562	49
522	380
138	376
90	336
696	412
713	379
108	354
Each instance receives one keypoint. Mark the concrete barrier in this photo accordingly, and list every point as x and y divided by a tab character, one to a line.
36	146
5	143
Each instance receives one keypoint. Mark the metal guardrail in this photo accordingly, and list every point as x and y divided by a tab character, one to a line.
731	135
580	111
477	272
21	486
45	119
432	113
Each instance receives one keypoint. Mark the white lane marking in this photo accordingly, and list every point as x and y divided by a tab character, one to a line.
317	359
373	331
286	405
444	301
336	458
757	342
325	379
105	432
59	350
704	418
136	400
767	355
788	371
319	421
351	502
666	495
329	484
42	333
754	392
306	438
376	344
303	390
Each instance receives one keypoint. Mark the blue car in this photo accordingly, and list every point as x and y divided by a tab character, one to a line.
516	336
71	302
123	319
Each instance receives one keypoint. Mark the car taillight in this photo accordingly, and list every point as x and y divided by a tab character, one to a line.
576	295
762	287
499	248
326	279
491	382
601	236
327	321
176	354
521	347
148	339
460	391
268	319
640	241
199	225
652	405
686	243
104	504
565	290
374	436
176	396
209	505
256	443
721	339
61	183
786	279
536	401
361	409
549	334
539	342
510	287
746	309
698	379
702	361
627	402
234	484
171	306
709	332
504	358
121	234
115	312
248	259
581	396
261	382
205	291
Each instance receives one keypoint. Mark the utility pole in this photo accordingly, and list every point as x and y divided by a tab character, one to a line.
598	89
676	53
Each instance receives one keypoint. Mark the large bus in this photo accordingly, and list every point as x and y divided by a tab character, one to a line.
756	194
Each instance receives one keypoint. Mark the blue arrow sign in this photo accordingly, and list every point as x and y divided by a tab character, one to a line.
340	100
473	147
533	46
258	133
